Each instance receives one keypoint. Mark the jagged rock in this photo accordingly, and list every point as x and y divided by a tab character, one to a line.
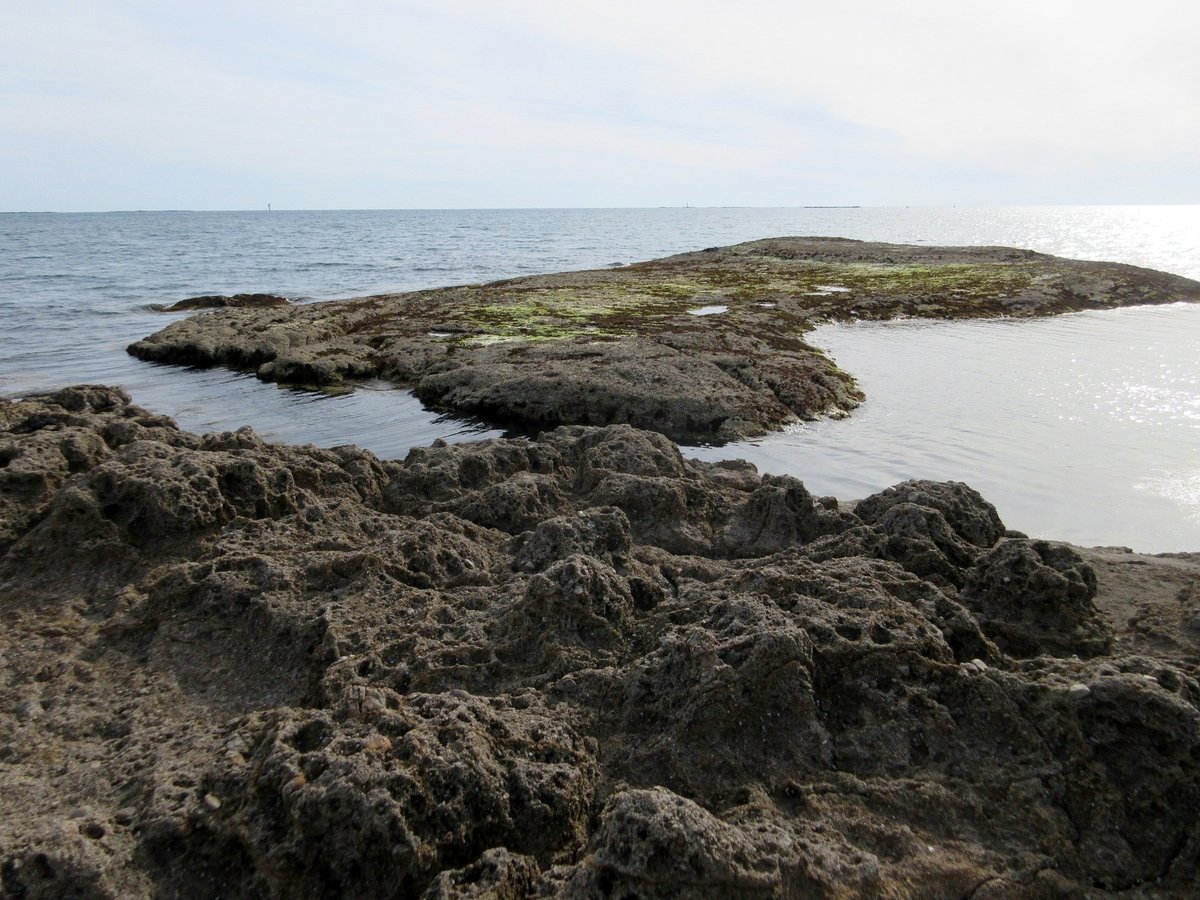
329	809
496	875
969	516
577	612
573	665
71	432
1034	597
693	713
621	346
602	533
778	514
436	478
652	843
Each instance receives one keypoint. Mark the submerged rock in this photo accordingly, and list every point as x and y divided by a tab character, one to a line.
579	665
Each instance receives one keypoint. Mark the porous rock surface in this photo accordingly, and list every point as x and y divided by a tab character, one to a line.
572	666
700	346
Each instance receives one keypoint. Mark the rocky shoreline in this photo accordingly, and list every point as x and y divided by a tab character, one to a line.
579	665
706	346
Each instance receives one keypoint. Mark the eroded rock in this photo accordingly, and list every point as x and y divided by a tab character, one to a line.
1035	597
620	345
225	301
573	665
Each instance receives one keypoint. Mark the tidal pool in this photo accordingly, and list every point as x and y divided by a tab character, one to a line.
1083	427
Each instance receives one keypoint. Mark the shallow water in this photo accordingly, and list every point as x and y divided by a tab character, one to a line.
995	404
1085	427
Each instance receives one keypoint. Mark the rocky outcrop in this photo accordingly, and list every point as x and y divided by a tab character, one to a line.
578	665
702	347
224	301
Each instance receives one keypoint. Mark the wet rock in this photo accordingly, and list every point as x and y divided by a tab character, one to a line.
547	386
620	345
219	301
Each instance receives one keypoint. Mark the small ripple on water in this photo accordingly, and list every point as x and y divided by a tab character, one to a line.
1061	441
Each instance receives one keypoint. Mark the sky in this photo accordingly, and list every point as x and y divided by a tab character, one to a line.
524	103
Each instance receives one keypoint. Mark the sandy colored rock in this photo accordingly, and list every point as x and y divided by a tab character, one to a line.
578	665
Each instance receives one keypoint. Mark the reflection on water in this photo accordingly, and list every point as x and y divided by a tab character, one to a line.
1084	427
386	421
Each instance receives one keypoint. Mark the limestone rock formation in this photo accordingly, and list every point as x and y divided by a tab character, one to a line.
577	665
703	347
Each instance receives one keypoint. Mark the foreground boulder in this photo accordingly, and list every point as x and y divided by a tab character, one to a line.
704	346
578	665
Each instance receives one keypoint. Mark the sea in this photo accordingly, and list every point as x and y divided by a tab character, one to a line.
1083	427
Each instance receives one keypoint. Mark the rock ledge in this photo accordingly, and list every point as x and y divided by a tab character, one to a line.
702	347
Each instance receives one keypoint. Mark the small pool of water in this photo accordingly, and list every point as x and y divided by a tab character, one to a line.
1083	427
385	420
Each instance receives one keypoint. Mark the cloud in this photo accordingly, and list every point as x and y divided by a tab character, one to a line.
951	78
473	103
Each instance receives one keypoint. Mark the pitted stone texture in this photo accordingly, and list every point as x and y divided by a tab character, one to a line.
1034	597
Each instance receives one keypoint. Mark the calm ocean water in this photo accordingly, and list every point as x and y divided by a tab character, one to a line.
1085	427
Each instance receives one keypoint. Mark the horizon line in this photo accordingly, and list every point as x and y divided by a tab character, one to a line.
268	210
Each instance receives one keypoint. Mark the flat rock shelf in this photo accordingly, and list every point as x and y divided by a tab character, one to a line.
624	345
578	666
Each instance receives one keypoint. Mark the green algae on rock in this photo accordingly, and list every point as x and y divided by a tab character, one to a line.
626	345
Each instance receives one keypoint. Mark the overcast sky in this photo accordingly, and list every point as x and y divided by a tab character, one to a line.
524	103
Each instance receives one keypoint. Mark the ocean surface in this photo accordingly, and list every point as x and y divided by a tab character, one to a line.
1084	427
